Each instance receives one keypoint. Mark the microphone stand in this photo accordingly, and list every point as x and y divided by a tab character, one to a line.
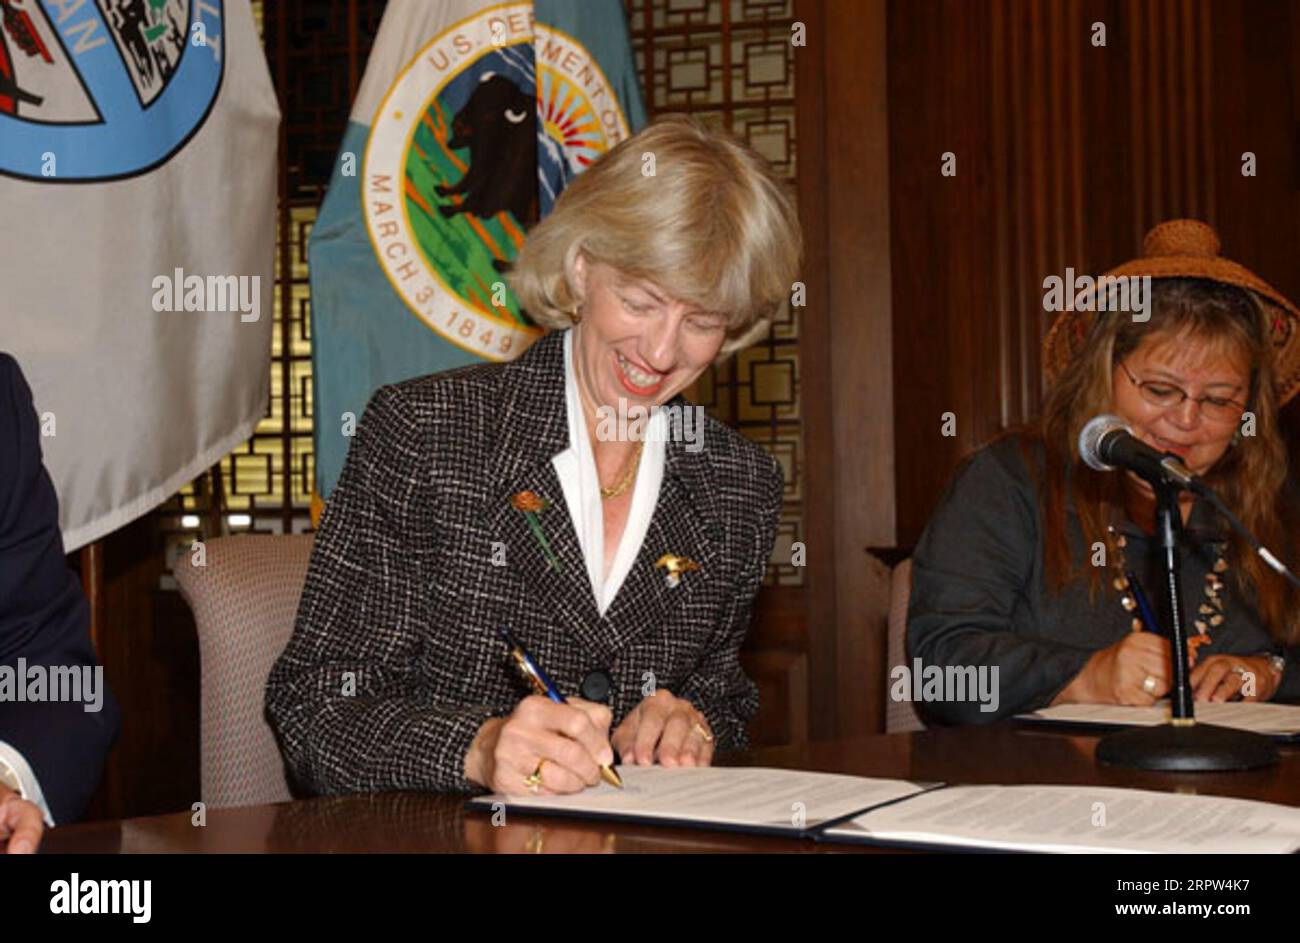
1182	744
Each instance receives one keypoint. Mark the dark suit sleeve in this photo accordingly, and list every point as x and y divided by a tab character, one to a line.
44	617
719	687
349	703
974	560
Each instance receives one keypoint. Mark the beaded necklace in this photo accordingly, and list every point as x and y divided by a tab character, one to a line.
1209	613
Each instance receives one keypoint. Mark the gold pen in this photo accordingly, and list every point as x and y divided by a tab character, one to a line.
535	676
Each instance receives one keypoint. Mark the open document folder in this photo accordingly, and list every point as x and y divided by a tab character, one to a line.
828	807
1281	722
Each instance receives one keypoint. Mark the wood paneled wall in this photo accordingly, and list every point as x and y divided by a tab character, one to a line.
1066	154
926	291
846	352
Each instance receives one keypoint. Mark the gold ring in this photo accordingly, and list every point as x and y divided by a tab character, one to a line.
534	782
697	727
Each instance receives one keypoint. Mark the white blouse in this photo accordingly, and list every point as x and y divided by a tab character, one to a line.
576	469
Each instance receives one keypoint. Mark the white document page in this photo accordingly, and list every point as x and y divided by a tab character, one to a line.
1259	717
736	796
1080	819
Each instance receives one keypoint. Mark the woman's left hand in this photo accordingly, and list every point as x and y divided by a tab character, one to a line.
664	729
1216	678
21	824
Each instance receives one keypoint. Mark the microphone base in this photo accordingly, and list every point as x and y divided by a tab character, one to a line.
1190	749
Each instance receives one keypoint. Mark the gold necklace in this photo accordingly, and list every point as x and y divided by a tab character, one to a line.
614	492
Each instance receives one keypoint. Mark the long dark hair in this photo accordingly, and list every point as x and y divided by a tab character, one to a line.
1250	476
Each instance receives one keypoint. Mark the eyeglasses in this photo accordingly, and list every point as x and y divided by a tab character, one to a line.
1167	396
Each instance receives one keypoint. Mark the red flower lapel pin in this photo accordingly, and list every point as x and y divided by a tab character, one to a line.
531	504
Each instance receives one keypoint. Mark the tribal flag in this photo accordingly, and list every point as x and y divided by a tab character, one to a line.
470	120
137	181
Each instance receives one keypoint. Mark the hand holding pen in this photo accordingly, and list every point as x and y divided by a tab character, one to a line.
1149	622
548	743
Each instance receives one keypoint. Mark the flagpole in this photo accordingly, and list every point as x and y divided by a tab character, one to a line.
284	248
353	66
92	584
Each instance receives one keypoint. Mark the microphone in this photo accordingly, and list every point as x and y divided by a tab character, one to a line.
1107	443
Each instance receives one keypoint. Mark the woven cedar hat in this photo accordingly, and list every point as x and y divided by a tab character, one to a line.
1188	248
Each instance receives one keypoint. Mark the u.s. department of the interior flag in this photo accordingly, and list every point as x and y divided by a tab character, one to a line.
469	121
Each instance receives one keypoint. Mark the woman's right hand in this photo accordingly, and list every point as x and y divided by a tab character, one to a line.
1117	674
572	738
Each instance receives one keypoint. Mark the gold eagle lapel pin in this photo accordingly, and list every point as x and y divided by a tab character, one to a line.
675	566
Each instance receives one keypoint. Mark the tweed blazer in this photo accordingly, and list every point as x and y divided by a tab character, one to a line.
395	660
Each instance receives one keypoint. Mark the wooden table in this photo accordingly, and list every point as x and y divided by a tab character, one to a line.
418	822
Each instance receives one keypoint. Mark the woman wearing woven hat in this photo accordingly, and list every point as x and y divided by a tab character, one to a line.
1023	566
